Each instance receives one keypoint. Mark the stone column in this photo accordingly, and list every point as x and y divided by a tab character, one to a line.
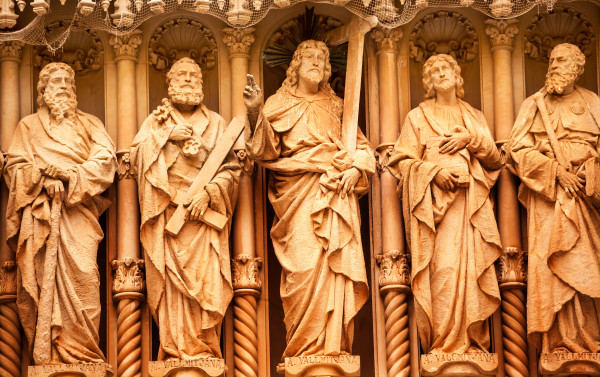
394	276
10	328
128	283
245	266
512	287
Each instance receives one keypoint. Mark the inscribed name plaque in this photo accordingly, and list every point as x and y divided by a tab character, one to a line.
334	366
71	370
459	364
566	364
210	367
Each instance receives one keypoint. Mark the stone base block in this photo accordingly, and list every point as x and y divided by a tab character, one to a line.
210	367
459	364
71	370
321	366
568	364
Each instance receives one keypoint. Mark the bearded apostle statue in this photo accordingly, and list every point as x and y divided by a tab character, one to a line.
59	162
446	162
554	149
188	275
314	187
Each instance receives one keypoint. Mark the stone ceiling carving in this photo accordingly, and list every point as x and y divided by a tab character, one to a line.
182	37
563	25
444	32
82	49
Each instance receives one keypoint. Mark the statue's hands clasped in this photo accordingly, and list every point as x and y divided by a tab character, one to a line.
197	205
455	141
347	180
572	183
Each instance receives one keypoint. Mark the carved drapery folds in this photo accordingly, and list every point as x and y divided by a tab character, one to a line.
563	25
501	32
182	37
444	32
238	41
126	46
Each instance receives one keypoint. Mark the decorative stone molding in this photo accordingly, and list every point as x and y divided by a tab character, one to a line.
182	37
382	155
83	51
386	39
246	272
394	269
511	267
124	169
246	163
239	14
128	281
126	46
444	32
501	8
8	279
8	17
238	41
11	50
122	16
563	25
501	32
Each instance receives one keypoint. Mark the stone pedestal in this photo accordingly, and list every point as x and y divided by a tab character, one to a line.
210	367
459	364
321	366
71	370
568	364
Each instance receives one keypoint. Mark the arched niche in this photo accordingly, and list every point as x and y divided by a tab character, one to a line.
445	32
565	24
176	38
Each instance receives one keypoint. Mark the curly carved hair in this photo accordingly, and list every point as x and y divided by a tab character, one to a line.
292	71
45	74
428	82
175	66
575	53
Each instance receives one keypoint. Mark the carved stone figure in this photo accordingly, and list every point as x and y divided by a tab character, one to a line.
553	148
188	274
314	187
59	162
446	162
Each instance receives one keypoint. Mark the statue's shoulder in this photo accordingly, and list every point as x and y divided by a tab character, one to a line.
29	119
92	118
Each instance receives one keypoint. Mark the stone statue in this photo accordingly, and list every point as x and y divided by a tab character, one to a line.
188	275
553	148
314	187
446	162
59	163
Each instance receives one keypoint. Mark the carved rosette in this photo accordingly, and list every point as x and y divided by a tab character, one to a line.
386	39
382	155
179	38
8	281
394	270
511	267
563	25
126	46
128	281
246	273
11	50
124	169
83	50
238	41
444	32
502	32
246	163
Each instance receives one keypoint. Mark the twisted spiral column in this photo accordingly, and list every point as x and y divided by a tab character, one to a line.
394	283
128	291
10	327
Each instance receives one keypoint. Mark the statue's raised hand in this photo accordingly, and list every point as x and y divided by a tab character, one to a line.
252	99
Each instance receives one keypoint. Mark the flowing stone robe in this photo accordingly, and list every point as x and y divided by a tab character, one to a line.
59	309
563	286
188	275
452	235
316	232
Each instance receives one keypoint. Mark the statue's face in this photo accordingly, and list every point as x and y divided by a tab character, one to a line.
312	65
442	76
188	76
561	63
60	85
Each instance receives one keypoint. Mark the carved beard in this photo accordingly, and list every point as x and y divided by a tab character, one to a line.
314	77
186	96
61	106
557	81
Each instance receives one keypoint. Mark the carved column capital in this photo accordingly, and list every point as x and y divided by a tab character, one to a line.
246	274
238	41
11	50
8	281
511	267
128	280
246	163
386	39
383	154
124	170
126	46
394	271
502	32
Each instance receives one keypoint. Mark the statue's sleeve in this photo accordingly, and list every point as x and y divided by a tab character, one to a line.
482	145
263	144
